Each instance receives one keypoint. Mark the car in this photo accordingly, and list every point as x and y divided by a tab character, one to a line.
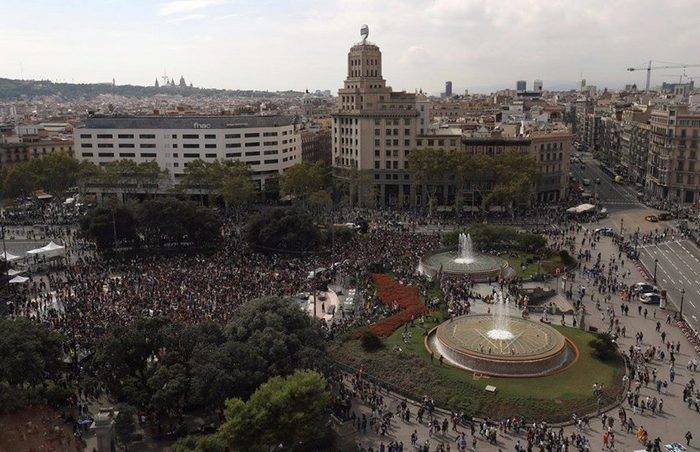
619	180
644	287
651	218
605	231
597	180
650	298
586	182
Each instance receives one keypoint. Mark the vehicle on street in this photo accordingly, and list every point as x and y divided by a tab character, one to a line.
644	287
651	218
605	231
586	182
650	298
597	180
619	180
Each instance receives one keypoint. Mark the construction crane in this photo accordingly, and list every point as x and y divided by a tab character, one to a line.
649	68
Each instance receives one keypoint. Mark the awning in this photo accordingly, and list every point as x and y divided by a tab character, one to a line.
50	250
13	272
7	257
583	208
19	280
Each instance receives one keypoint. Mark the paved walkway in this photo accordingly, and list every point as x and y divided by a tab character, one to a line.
670	426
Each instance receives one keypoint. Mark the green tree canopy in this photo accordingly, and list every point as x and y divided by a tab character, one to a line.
29	352
303	179
229	178
283	230
284	412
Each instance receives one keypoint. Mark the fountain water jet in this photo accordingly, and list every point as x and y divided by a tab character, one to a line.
465	254
501	320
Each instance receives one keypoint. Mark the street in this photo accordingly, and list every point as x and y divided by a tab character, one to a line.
613	196
677	269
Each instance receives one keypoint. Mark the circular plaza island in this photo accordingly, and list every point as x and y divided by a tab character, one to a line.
515	347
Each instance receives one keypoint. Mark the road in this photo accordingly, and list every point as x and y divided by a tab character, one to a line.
613	196
678	268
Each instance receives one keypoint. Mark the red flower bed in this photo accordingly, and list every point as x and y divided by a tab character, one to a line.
391	293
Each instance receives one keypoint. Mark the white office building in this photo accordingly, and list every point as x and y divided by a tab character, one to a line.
267	144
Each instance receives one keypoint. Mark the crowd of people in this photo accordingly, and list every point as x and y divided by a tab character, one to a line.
91	292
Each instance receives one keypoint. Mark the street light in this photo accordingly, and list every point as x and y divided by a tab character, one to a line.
622	222
656	262
682	296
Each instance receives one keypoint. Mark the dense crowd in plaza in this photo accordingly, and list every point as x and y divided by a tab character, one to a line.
90	292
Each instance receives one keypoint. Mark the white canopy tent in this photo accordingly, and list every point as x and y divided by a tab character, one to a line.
19	280
582	208
7	257
48	251
13	272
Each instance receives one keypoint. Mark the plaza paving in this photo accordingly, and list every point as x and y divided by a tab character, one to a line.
670	426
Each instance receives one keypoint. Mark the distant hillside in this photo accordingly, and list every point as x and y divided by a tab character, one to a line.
18	89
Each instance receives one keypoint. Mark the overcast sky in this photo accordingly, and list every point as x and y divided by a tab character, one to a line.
299	44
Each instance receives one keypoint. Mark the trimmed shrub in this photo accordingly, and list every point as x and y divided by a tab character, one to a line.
370	341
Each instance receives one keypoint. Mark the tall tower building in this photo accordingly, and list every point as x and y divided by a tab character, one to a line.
521	86
448	89
537	86
374	129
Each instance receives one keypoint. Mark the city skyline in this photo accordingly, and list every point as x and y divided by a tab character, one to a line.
480	46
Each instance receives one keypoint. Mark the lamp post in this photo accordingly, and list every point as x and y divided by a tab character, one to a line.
656	263
622	225
682	297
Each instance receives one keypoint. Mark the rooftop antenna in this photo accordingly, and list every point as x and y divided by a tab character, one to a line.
364	32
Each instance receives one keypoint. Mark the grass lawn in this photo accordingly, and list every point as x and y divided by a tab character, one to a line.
547	265
552	398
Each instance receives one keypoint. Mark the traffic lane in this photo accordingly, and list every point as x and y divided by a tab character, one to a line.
609	190
676	270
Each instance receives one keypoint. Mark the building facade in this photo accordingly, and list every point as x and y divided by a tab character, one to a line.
13	153
673	174
267	144
316	146
374	129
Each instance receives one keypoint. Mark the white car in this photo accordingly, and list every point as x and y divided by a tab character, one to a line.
650	298
644	287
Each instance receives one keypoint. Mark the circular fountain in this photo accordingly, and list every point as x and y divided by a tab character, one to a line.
465	261
501	345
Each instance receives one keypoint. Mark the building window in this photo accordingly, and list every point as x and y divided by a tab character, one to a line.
269	162
209	137
232	135
87	154
148	155
149	145
190	136
104	135
210	146
190	146
252	144
126	145
233	145
85	135
210	156
127	136
252	135
270	134
127	154
233	154
85	145
190	156
105	145
147	136
252	153
105	154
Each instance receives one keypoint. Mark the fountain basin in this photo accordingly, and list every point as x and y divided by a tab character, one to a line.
526	349
480	267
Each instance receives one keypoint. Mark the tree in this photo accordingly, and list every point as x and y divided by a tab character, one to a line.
283	230
303	179
515	178
55	172
104	224
162	221
19	181
124	424
230	178
357	187
280	333
284	412
29	352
